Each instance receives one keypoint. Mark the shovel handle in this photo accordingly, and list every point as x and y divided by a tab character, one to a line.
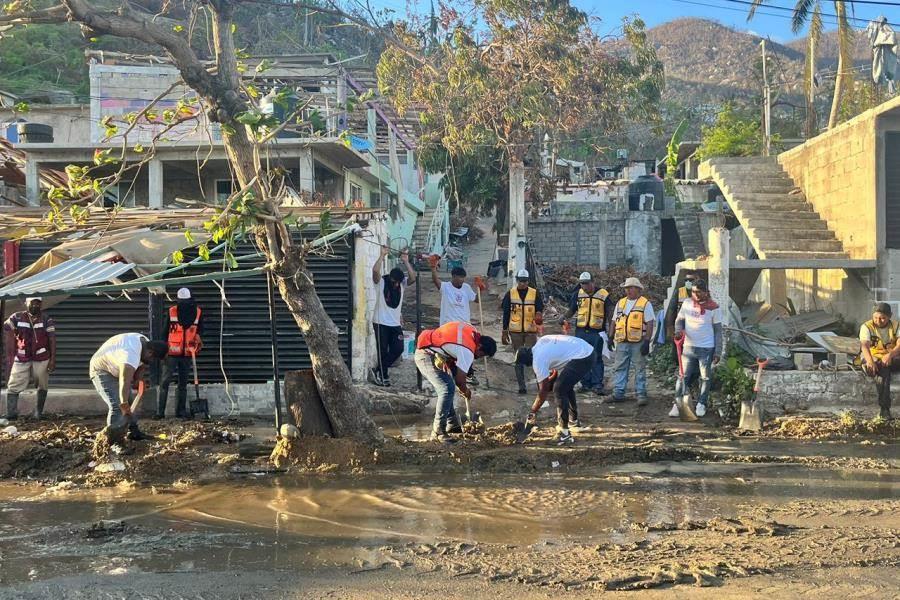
194	363
679	343
761	364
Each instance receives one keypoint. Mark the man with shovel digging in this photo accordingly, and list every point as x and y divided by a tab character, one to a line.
698	329
112	371
444	356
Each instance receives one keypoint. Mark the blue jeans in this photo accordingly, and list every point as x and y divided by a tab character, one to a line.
594	378
108	388
695	361
628	354
444	387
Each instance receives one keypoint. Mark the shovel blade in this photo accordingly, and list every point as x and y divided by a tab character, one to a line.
523	430
751	416
685	412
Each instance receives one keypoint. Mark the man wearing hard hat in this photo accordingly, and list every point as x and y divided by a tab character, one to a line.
185	328
632	329
523	310
31	354
592	307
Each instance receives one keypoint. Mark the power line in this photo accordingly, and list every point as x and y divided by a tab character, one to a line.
826	16
791	10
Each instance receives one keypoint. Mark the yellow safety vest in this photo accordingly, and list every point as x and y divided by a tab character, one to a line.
631	327
879	347
683	294
591	309
521	312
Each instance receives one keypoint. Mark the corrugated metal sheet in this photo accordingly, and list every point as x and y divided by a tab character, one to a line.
85	322
71	274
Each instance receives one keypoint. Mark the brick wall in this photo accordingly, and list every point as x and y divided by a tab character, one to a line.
788	392
837	172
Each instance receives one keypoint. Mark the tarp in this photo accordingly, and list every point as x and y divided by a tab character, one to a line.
73	273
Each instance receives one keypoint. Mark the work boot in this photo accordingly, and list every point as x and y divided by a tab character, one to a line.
442	437
39	405
135	434
454	425
885	413
12	406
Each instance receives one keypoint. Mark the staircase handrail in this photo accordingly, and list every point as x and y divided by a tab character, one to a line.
437	221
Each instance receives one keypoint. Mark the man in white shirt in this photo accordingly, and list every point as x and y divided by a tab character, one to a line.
559	362
631	329
444	355
456	295
699	322
112	371
387	320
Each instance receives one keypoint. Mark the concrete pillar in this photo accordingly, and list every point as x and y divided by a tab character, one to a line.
307	169
340	122
517	219
718	265
602	230
775	286
155	183
371	126
32	182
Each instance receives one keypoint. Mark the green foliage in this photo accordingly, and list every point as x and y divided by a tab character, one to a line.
735	387
672	156
733	134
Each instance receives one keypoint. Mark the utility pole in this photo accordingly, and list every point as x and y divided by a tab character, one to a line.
767	123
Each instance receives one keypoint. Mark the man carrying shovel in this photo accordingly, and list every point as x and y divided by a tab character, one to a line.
112	372
698	331
185	329
444	356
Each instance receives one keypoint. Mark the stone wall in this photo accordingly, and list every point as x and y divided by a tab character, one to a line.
601	239
788	392
837	172
70	122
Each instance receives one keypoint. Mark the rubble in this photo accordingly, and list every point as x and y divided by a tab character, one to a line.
560	281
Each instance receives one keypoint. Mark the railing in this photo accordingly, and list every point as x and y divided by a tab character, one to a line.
437	223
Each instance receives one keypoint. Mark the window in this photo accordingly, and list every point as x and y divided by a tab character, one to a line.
119	194
224	189
356	196
374	200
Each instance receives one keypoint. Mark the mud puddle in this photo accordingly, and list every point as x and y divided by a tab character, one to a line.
314	523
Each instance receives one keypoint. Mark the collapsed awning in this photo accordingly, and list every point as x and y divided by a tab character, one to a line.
73	273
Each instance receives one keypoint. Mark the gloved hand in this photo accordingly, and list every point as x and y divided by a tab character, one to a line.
433	260
532	417
538	319
504	337
610	344
645	348
479	283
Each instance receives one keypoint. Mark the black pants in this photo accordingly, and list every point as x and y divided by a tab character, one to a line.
176	366
883	383
390	346
564	387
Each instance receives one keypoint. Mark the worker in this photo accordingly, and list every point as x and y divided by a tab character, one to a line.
387	320
631	329
593	307
880	352
699	324
30	345
185	331
456	295
522	317
112	371
683	293
444	356
559	362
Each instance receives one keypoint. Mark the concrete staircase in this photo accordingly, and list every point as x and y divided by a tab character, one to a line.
688	227
420	233
772	210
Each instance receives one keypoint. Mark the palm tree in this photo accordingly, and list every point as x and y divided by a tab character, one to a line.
811	11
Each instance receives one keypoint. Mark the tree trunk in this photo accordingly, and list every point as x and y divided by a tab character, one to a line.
305	403
843	52
345	410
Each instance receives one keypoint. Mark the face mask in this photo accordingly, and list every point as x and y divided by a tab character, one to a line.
688	284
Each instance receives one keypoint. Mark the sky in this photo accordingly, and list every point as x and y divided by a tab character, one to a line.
772	20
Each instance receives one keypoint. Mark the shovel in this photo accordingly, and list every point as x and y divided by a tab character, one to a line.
683	401
751	410
524	427
199	406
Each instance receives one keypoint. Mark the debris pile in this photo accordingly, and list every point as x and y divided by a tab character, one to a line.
561	281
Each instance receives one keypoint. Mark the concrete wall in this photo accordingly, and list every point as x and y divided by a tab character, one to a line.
787	392
603	239
367	251
837	171
71	123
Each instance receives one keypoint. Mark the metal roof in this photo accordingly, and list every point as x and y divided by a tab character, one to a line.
64	277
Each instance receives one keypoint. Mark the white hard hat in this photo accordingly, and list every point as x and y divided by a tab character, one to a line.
585	277
30	298
184	294
522	274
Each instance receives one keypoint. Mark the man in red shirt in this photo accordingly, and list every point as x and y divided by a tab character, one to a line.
30	344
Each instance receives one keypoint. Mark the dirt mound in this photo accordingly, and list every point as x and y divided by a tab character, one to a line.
322	454
848	425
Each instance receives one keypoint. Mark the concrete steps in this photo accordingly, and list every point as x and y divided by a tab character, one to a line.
688	227
779	223
420	233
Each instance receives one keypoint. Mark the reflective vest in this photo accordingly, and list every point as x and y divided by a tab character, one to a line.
521	312
453	332
591	309
32	338
683	294
879	347
182	339
631	327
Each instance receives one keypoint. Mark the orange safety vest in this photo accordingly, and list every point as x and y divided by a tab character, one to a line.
453	332
182	339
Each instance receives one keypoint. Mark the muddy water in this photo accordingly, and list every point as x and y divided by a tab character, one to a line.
290	522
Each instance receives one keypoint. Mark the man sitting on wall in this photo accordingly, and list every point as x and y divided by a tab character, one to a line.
880	352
